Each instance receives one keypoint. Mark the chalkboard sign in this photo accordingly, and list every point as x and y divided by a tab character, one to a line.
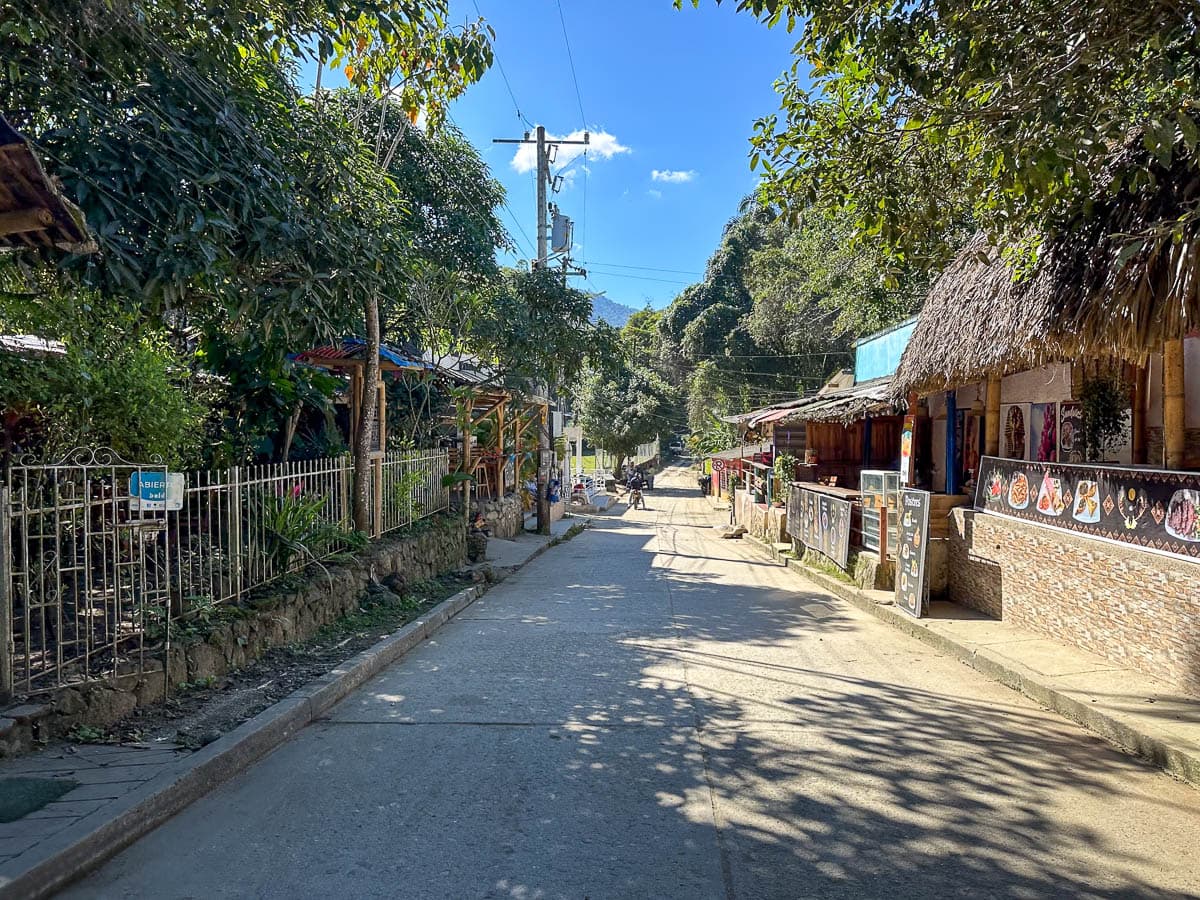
821	523
1155	509
910	555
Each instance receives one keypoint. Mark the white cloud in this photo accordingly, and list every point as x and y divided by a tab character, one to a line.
656	195
672	176
602	146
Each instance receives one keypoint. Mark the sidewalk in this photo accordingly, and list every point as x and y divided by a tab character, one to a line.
118	793
1138	713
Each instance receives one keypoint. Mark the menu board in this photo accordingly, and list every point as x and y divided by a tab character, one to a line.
820	522
910	555
1070	432
1149	508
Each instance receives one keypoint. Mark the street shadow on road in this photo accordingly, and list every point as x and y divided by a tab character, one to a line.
829	785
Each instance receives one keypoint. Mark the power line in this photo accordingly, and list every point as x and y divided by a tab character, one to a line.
644	268
504	75
571	60
637	277
822	353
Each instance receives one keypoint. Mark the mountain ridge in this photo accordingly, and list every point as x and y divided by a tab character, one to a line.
610	311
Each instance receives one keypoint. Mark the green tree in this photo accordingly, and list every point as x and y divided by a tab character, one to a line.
914	116
619	411
119	384
708	346
815	289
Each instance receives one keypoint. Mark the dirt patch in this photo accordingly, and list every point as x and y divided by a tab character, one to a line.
199	713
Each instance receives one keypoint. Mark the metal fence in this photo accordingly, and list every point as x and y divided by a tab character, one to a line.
99	555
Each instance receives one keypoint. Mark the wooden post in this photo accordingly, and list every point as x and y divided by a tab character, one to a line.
1173	404
991	439
500	449
467	433
7	641
952	475
25	220
356	397
1137	402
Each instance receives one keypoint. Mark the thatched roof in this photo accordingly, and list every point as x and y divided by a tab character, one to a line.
1095	293
849	404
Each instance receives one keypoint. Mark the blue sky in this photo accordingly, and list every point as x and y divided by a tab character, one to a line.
673	92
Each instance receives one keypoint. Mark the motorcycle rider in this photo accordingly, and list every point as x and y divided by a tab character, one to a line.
636	484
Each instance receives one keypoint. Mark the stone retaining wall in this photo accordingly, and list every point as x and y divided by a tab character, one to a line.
1138	609
505	517
289	616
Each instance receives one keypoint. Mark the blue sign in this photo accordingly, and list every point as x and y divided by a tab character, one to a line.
156	490
878	355
149	487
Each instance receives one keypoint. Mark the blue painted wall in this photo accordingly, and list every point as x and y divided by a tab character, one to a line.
879	354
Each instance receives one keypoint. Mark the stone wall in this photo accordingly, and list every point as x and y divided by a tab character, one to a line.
1191	446
505	517
766	522
286	617
1138	609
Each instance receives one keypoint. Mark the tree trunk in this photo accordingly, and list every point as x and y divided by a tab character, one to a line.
289	433
366	419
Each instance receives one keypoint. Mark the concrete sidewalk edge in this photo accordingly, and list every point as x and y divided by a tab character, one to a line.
1180	759
84	846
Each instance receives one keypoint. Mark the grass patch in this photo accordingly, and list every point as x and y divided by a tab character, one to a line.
381	609
823	564
571	532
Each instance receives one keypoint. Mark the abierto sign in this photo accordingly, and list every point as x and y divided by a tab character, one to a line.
156	490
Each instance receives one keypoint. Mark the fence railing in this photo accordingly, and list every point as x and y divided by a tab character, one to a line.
98	556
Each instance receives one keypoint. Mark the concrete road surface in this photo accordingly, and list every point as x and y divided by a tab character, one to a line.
650	712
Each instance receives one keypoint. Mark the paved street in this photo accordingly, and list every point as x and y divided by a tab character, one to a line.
649	711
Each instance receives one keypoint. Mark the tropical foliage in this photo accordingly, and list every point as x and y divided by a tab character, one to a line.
911	117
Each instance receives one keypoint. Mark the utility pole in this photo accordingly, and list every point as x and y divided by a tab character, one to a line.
544	185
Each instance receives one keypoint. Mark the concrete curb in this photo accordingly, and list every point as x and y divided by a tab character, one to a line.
91	841
1180	758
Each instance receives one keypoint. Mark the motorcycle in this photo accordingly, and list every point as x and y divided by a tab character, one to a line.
636	500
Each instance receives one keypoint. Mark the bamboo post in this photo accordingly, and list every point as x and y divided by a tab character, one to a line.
500	449
992	422
1173	404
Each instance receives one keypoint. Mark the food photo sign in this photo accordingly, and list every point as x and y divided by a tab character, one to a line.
821	522
913	537
1150	508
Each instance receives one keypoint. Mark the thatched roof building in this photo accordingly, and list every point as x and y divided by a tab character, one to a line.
1116	280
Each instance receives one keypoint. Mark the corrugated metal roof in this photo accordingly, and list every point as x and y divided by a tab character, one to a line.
356	349
31	346
739	452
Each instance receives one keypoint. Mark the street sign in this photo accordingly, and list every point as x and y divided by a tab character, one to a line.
156	491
